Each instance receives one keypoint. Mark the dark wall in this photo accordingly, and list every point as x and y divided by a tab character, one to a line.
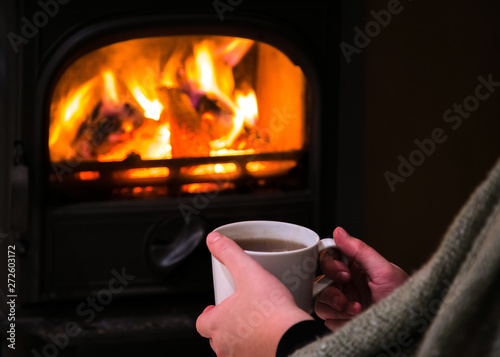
421	74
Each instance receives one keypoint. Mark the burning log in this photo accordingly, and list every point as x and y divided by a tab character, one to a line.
187	135
216	116
252	137
104	128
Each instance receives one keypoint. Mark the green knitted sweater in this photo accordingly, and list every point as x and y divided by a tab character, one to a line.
450	307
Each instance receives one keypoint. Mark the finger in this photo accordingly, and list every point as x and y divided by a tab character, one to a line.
332	252
353	308
208	308
232	256
360	286
334	269
359	252
203	322
334	297
326	312
335	324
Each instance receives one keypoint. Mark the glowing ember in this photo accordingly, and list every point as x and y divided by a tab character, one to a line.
210	169
229	152
206	187
88	175
142	192
149	172
269	168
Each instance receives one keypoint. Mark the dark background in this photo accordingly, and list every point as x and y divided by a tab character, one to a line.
426	59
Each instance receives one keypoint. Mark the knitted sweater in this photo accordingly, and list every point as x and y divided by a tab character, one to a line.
450	307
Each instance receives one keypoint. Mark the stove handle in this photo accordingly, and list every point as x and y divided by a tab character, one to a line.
170	241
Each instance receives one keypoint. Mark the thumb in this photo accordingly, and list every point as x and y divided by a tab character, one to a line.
230	254
360	252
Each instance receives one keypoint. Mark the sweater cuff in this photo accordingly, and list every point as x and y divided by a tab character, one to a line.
299	335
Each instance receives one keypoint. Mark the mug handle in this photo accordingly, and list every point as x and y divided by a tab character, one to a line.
322	282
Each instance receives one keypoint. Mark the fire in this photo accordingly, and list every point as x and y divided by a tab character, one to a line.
211	74
70	106
175	97
205	70
153	141
160	146
248	106
110	94
235	50
152	108
244	106
76	101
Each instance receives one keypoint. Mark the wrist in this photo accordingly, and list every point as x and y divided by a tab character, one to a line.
288	319
299	335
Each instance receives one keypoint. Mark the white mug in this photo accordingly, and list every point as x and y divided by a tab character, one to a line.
294	268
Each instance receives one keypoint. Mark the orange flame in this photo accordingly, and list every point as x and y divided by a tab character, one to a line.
215	77
205	71
110	94
64	124
235	50
248	105
157	146
152	108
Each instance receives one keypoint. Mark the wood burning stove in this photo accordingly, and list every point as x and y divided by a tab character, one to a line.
135	129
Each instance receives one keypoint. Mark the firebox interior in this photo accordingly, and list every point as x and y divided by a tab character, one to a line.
175	115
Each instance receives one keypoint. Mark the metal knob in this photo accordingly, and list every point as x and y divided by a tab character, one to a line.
170	241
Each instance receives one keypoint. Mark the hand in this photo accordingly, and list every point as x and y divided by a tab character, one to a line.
368	279
252	321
